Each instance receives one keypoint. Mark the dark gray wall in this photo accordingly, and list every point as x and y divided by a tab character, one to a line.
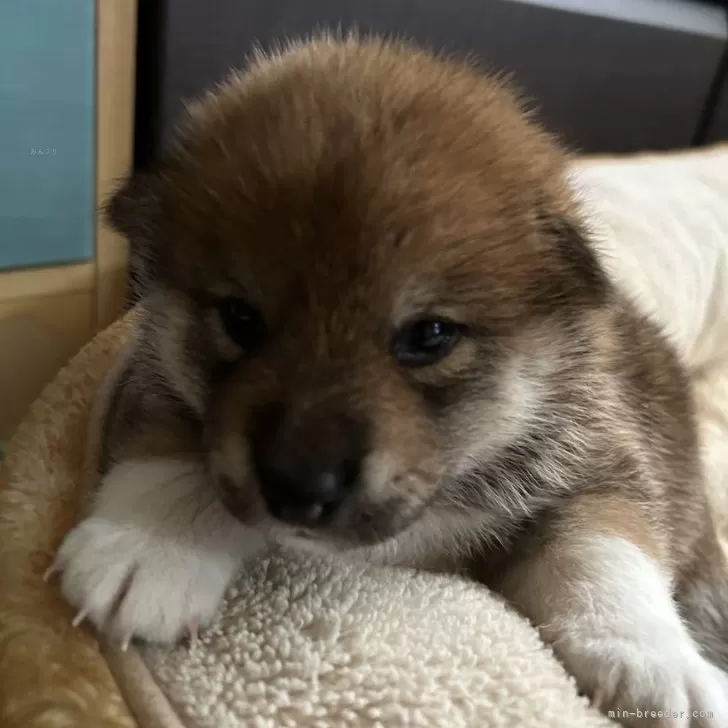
617	80
717	124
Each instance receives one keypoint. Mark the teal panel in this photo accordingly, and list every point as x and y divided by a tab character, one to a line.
47	131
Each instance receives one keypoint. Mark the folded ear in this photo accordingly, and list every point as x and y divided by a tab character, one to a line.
134	211
587	279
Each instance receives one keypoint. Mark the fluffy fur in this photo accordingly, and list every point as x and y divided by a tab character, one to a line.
344	189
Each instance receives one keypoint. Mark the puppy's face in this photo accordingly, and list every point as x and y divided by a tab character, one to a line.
362	269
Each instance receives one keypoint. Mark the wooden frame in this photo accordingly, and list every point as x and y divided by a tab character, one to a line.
115	81
47	314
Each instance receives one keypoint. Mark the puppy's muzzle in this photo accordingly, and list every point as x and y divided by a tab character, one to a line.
307	467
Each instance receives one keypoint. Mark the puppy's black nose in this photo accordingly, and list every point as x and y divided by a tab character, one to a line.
307	497
308	470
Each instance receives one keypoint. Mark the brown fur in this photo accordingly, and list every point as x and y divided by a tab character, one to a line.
342	188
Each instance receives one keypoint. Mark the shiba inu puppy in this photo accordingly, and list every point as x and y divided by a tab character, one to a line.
374	320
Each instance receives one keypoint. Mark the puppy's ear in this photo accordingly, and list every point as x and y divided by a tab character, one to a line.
134	211
587	279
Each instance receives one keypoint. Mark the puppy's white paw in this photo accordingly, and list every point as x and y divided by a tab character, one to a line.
155	555
135	584
614	624
647	683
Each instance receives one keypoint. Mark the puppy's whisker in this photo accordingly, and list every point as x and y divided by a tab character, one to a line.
53	569
80	616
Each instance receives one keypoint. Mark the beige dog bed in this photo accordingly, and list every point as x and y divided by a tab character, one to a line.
325	643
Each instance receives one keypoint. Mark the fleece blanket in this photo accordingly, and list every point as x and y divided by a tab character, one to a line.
309	641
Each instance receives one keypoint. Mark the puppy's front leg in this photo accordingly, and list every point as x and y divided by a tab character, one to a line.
595	589
156	549
155	554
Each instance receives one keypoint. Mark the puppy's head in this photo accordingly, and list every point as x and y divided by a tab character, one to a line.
363	266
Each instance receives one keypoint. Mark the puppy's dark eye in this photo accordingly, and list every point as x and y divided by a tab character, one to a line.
424	342
243	324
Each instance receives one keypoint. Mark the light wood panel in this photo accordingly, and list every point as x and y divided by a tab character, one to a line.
36	282
116	61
